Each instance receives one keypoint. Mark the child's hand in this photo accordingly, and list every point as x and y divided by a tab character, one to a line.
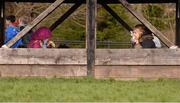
51	44
4	46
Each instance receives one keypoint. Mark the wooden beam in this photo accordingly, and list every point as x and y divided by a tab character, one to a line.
151	1
140	57
104	57
99	1
137	1
2	7
163	38
35	22
43	56
91	35
121	21
64	16
178	23
43	71
136	72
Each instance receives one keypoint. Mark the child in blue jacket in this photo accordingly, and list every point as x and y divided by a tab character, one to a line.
11	31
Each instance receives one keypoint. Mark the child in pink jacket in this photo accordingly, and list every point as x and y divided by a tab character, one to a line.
41	39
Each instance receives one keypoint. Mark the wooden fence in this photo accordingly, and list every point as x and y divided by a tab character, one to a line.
125	64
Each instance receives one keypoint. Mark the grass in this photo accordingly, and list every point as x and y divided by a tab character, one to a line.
87	90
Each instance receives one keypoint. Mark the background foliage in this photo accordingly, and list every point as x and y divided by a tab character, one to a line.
108	29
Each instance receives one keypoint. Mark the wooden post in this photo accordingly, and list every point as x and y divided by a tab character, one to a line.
91	35
163	38
121	21
178	23
2	7
35	22
65	15
99	1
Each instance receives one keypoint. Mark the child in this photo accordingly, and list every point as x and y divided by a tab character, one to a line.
11	31
41	39
23	22
142	37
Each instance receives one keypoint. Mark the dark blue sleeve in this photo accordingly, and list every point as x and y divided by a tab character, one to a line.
9	34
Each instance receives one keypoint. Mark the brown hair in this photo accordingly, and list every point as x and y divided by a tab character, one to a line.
25	19
11	18
144	29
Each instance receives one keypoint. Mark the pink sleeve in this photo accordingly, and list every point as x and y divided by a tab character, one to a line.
34	44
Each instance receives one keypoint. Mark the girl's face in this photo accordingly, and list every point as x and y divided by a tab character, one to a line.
137	33
7	22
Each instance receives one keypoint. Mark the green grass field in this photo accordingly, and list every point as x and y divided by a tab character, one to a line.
87	90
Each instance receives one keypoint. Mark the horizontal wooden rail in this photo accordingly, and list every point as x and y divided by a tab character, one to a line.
104	57
137	72
99	1
43	56
138	57
124	64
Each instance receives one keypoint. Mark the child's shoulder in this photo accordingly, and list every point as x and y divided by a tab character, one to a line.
12	28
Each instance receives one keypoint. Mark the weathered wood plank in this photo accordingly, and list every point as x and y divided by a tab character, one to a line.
104	57
91	35
163	38
137	57
178	23
2	6
43	56
36	21
101	72
42	71
121	21
65	15
99	1
137	72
